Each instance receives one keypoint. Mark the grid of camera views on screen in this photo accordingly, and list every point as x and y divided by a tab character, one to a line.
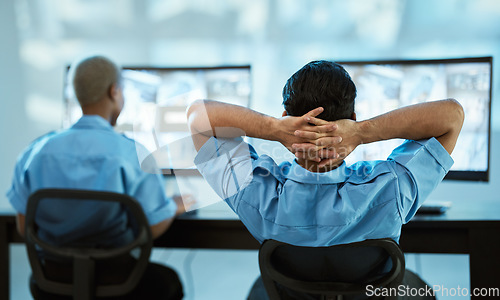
384	87
156	100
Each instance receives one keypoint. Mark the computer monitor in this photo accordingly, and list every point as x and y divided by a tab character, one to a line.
156	100
386	85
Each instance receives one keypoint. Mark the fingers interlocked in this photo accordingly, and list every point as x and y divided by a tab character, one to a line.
318	136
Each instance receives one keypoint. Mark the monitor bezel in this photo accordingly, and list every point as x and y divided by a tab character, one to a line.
452	174
164	68
174	68
169	171
202	68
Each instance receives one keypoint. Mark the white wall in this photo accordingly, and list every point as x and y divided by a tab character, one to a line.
276	37
14	127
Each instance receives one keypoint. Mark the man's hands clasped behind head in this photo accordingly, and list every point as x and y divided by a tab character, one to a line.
322	142
288	127
330	149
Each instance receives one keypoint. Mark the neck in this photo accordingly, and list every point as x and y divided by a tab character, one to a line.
100	109
312	166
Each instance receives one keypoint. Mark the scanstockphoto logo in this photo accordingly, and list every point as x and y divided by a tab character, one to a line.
174	160
227	161
173	155
164	145
430	291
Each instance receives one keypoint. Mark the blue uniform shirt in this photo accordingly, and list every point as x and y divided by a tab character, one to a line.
368	200
89	155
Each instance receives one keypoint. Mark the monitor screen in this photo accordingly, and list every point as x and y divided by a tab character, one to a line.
156	99
386	85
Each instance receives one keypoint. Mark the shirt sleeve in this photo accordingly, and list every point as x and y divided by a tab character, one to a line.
19	190
149	190
226	164
146	184
420	166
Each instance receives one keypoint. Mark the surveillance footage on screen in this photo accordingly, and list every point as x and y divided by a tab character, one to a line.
384	87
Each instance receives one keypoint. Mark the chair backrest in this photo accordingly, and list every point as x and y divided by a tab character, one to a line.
330	272
82	258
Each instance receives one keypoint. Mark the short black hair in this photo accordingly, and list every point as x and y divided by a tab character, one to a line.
92	77
320	83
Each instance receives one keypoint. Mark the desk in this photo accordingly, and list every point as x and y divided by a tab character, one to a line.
464	229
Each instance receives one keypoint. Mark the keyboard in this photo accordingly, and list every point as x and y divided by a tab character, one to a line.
434	207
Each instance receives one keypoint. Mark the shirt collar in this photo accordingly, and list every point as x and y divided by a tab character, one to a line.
299	174
92	122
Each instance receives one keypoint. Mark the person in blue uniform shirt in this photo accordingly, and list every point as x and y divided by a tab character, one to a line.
91	155
317	200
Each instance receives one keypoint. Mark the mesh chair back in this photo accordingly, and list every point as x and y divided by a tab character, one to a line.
83	285
330	272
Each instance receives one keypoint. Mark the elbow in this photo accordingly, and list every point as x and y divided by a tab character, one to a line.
458	114
193	112
194	107
21	224
160	228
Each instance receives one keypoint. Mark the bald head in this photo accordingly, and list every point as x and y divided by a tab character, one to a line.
93	77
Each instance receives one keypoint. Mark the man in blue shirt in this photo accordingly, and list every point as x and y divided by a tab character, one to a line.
91	155
317	200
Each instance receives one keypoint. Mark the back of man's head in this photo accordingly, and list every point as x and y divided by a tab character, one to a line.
320	83
92	78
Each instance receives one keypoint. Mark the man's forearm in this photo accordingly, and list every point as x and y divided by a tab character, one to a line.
440	119
214	118
211	118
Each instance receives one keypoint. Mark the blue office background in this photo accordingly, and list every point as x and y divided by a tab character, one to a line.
39	38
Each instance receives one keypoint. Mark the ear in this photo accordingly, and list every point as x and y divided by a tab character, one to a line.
353	117
284	114
113	92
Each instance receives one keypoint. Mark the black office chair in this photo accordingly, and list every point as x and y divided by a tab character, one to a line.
84	261
335	272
